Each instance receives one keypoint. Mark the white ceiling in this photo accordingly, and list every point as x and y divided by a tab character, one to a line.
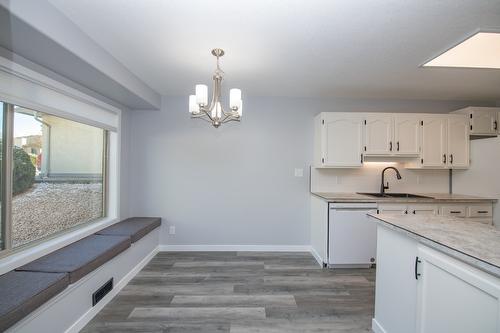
295	48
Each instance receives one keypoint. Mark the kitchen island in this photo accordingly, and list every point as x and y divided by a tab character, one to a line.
436	274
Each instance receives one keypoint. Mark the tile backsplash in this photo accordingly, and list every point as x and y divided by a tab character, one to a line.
368	179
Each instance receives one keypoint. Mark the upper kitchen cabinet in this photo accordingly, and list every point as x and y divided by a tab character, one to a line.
458	141
434	141
430	141
338	140
445	141
388	134
378	134
483	121
407	134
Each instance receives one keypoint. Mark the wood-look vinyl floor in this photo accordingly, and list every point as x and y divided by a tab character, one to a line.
240	292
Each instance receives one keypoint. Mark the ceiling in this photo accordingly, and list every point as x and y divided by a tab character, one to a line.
295	48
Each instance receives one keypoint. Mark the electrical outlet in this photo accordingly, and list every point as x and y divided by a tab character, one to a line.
299	172
171	230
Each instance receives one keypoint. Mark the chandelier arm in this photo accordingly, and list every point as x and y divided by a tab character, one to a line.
205	119
230	119
207	113
225	118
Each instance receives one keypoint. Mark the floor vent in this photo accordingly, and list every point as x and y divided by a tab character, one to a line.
102	291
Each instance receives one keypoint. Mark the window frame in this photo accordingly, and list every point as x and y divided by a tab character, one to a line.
7	182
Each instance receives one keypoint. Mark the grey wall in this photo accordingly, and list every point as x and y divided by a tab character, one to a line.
234	185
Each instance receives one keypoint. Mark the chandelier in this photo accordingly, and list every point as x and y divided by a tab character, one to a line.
213	112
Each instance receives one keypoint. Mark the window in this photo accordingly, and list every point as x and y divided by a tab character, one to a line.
54	175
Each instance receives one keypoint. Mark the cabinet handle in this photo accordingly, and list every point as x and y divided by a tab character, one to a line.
361	158
414	211
406	211
482	211
397	145
451	159
444	158
417	274
455	212
390	145
495	125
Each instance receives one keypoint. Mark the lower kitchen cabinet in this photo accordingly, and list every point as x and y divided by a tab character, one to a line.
423	209
482	212
454	297
419	289
417	209
453	210
396	286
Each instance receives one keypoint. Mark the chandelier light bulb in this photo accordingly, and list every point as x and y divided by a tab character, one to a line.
193	106
201	94
240	108
234	98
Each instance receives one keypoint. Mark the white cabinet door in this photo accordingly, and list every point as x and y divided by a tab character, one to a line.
342	136
434	141
396	286
454	297
422	209
378	134
458	141
407	134
484	121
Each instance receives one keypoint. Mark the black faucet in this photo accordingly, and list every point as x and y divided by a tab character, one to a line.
384	187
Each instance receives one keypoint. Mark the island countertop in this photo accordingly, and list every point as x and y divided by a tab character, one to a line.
474	243
432	198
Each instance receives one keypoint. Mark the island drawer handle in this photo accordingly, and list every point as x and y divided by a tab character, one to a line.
483	211
455	212
417	274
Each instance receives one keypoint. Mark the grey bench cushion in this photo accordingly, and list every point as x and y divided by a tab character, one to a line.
134	227
80	258
23	292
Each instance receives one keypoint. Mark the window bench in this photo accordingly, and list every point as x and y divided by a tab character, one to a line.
30	286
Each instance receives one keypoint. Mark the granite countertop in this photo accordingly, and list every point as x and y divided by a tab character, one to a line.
434	197
474	243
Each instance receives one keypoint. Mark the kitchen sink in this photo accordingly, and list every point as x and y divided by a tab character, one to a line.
378	195
394	195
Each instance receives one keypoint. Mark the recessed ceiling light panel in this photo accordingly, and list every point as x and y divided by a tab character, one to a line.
481	50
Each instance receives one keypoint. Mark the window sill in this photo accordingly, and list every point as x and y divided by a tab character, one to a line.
17	258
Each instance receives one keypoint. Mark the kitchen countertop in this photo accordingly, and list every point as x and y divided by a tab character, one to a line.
435	197
474	243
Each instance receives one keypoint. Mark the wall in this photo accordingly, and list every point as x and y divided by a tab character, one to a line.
482	177
235	185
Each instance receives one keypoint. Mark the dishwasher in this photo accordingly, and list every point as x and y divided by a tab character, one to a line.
352	237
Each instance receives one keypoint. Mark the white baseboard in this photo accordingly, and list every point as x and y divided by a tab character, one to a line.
376	327
257	248
316	256
87	317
